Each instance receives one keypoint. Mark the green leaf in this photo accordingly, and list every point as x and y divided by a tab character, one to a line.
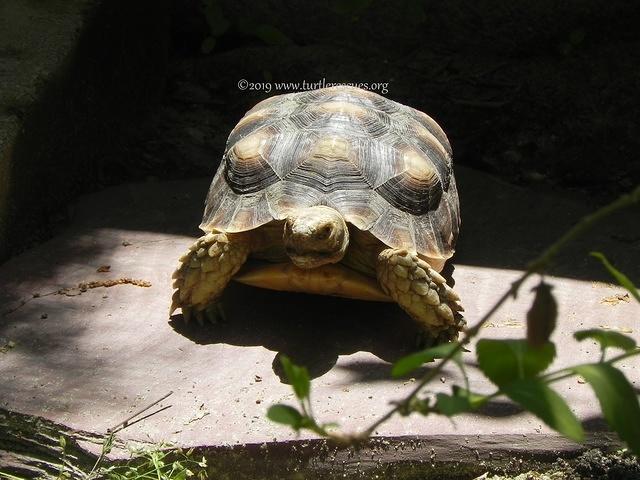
297	376
409	363
450	405
538	398
620	277
271	35
504	361
286	415
617	399
607	339
107	445
476	400
460	401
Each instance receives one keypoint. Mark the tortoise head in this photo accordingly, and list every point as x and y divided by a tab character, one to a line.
315	236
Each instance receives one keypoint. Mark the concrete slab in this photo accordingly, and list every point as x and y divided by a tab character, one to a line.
89	358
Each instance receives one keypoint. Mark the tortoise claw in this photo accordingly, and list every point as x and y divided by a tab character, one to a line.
187	313
215	313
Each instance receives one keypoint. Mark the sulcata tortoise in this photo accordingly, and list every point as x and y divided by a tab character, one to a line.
338	191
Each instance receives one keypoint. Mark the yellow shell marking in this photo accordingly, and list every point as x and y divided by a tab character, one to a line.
332	148
250	147
419	167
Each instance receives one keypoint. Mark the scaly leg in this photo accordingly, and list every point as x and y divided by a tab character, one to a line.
421	291
204	271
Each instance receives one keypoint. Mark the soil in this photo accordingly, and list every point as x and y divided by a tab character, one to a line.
592	464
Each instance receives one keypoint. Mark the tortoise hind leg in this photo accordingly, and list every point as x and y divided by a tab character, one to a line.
421	292
204	272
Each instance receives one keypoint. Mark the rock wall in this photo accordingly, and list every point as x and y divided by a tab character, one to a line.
74	76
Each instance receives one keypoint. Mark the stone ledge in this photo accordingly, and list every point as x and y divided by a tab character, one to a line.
89	360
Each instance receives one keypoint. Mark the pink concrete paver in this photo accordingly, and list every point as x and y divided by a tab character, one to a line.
88	360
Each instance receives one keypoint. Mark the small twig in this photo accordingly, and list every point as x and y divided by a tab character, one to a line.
22	303
155	412
126	422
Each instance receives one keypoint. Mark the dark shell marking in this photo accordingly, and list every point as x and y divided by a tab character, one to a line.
385	166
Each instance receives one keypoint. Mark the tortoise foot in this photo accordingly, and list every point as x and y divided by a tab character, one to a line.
422	292
204	272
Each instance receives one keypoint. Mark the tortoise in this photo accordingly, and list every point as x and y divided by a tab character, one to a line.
336	191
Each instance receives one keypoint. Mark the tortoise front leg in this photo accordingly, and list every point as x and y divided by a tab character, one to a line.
204	272
421	291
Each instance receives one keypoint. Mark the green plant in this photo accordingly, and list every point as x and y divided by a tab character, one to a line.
160	462
157	464
517	368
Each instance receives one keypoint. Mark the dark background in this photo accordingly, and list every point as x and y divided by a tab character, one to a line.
542	93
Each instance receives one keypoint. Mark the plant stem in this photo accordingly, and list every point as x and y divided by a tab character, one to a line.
469	334
586	223
106	446
538	265
568	371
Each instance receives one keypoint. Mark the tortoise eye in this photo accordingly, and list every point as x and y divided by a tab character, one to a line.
325	232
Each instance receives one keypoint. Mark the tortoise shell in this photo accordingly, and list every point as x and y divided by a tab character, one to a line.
384	166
